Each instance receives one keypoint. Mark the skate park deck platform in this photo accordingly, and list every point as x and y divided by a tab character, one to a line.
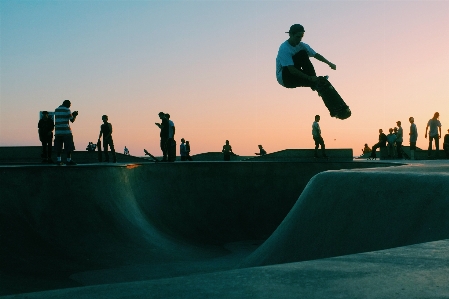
317	229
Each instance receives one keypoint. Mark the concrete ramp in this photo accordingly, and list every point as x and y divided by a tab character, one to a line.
58	219
347	212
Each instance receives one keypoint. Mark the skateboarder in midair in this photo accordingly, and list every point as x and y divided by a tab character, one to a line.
294	69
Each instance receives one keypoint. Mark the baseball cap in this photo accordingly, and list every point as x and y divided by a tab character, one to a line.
296	28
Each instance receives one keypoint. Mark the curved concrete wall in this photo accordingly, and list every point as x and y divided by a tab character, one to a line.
347	212
59	218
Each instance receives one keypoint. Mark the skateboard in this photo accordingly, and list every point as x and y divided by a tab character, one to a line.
100	158
333	101
152	157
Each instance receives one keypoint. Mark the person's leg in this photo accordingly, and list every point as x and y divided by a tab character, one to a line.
429	149
373	151
114	156
69	146
317	144
302	62
412	150
49	148
106	149
44	149
437	145
323	147
164	148
58	147
399	149
183	158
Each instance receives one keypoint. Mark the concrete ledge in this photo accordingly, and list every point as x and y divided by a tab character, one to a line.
299	155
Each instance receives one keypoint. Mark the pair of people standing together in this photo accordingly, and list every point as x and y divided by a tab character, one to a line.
167	134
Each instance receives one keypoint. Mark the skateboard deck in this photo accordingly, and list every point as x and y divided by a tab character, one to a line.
151	156
100	158
333	101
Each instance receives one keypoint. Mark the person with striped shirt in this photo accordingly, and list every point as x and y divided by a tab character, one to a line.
63	132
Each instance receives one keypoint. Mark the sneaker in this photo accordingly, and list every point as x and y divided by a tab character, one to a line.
70	163
60	163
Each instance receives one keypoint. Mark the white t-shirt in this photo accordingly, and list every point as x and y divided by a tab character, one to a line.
316	131
434	124
285	56
171	125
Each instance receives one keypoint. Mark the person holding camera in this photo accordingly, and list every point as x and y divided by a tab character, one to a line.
63	132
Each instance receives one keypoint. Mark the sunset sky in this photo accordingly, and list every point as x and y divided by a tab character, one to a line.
211	65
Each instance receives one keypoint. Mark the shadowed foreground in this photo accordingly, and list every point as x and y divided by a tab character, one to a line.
151	226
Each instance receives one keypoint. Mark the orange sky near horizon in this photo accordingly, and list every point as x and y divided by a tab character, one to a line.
211	65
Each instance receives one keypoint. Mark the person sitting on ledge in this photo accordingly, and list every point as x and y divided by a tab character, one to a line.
261	151
366	149
382	143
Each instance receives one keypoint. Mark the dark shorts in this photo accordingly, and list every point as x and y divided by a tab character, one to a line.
302	62
318	140
66	141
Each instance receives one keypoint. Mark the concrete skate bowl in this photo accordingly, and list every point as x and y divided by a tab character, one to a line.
359	211
59	221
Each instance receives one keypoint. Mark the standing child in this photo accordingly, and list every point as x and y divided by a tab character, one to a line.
182	150
46	127
106	131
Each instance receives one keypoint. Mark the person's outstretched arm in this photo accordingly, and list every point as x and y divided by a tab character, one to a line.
322	59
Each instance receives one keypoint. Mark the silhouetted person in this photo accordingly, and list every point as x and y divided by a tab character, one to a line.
90	147
227	151
188	151
126	151
399	139
294	68
316	133
382	143
182	150
106	132
63	132
391	139
171	143
366	149
164	126
45	130
435	126
413	137
446	144
261	152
